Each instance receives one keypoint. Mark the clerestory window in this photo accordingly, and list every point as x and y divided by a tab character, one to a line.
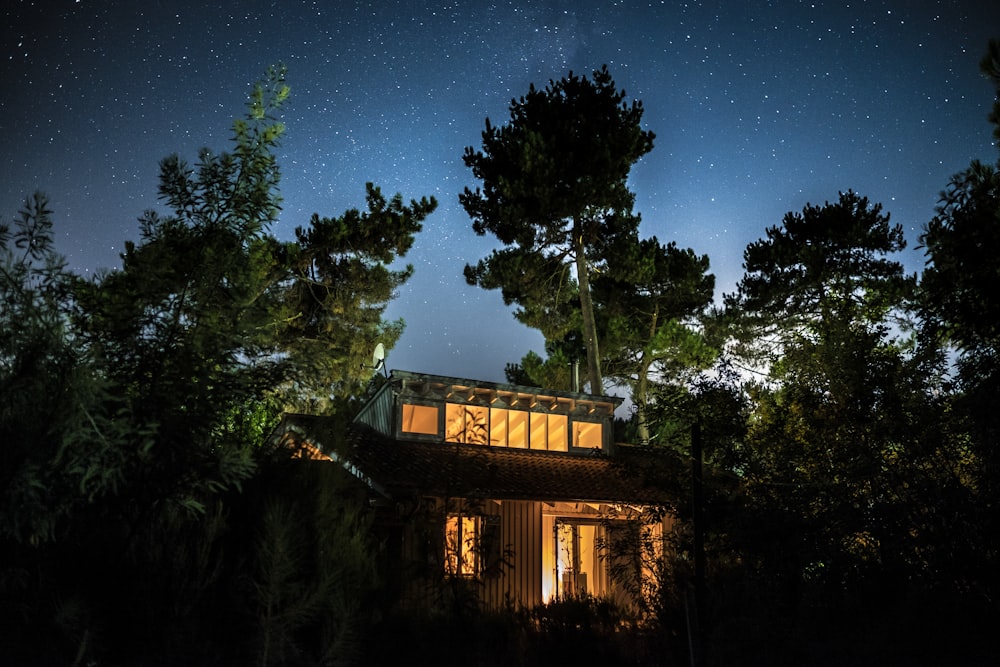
421	419
502	427
466	423
587	435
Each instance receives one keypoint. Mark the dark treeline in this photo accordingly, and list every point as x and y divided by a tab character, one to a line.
844	413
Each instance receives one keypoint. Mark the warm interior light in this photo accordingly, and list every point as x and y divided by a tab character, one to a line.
517	429
571	559
466	423
537	435
587	435
557	439
461	533
498	427
420	419
501	426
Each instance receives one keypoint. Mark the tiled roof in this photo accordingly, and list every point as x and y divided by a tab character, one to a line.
405	468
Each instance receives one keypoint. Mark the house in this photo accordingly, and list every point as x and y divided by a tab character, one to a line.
519	490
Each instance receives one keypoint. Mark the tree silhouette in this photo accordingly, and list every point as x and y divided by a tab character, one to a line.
554	193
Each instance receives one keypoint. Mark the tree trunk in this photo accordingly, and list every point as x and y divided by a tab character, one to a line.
640	398
589	323
642	382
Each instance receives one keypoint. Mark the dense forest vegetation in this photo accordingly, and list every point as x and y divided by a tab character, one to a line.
846	412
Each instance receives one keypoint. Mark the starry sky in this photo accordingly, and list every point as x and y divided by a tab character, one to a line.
759	107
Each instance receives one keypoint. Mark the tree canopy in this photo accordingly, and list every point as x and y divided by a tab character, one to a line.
554	192
960	242
60	447
137	407
210	313
961	310
649	310
848	415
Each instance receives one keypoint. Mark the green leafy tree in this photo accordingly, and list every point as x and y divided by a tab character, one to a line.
962	266
184	328
960	308
63	445
341	286
841	428
60	447
956	287
211	314
137	407
648	312
555	371
823	267
554	193
311	569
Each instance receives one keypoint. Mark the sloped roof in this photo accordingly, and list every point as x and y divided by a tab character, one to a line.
407	468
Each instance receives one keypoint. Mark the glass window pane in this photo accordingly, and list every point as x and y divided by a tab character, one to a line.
466	423
587	580
477	425
517	429
550	543
579	568
587	434
557	440
420	419
568	559
470	535
461	535
454	423
498	427
538	436
452	539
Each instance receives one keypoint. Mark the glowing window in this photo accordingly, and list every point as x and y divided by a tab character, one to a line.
498	427
508	428
557	440
466	423
420	419
461	547
517	429
538	424
548	432
587	434
572	559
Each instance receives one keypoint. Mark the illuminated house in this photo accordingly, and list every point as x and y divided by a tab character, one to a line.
517	489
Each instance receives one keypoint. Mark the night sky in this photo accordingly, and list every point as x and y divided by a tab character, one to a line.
758	108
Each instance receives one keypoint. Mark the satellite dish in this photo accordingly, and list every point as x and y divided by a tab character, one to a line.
378	357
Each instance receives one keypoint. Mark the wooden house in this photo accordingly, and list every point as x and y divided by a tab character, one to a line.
519	492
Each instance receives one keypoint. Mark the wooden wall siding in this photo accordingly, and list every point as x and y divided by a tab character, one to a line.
421	554
378	412
420	551
521	582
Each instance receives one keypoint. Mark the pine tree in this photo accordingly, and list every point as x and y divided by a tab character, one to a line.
554	193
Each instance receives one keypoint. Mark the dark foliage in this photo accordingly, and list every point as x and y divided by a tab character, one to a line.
835	491
554	193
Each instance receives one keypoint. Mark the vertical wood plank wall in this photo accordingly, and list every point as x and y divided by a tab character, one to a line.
420	550
521	531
